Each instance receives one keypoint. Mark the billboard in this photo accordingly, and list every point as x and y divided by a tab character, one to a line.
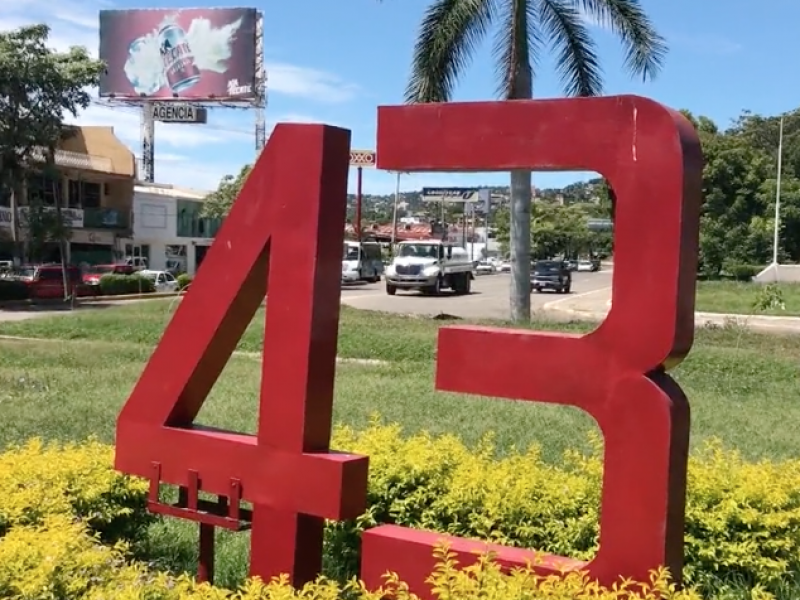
456	194
182	54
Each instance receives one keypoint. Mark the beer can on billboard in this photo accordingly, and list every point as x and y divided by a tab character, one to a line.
197	54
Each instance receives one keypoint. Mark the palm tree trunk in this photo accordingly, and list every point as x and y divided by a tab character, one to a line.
520	230
520	238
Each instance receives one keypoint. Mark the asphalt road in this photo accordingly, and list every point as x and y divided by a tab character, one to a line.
488	300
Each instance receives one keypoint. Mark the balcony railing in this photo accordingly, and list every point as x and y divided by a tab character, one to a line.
75	160
192	226
106	218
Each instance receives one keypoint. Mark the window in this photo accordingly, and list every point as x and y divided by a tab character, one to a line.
85	194
169	277
5	197
50	275
44	190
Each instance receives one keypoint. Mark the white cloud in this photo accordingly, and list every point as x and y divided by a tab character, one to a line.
304	82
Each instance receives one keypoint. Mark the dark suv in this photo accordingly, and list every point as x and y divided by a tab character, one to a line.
551	275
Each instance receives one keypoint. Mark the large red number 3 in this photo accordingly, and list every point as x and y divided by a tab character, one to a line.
651	156
286	228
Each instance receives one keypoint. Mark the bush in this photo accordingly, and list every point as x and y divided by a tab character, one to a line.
742	521
741	271
13	289
116	285
183	281
78	481
59	559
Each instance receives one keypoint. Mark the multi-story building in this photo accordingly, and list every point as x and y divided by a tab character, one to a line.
93	185
168	229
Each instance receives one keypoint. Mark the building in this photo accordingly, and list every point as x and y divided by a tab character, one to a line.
168	229
94	187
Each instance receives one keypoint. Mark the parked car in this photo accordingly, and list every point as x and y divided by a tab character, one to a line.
585	266
484	267
92	275
47	281
504	267
551	275
163	281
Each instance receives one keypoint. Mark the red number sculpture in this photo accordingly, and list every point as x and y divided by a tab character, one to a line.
287	225
651	156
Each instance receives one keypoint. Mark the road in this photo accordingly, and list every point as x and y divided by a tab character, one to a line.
488	300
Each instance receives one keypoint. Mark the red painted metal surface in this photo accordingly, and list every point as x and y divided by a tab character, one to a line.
286	227
651	156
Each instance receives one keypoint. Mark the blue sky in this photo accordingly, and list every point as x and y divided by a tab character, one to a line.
336	61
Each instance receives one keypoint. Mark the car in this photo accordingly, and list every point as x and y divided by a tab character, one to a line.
163	281
485	267
551	275
46	281
504	267
585	265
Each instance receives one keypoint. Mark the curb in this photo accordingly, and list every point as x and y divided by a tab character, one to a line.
89	299
151	296
769	322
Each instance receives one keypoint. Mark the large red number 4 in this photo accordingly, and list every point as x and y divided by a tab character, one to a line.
651	156
286	226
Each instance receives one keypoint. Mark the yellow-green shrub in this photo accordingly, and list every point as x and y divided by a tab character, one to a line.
59	559
742	522
39	480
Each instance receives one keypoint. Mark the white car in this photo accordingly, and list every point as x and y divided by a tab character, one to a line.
485	267
585	265
163	281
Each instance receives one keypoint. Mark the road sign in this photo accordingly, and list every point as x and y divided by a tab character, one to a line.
363	158
169	112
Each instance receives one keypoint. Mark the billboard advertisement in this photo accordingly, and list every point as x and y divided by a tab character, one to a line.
181	54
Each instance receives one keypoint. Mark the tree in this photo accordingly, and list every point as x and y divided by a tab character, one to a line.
525	29
37	87
218	203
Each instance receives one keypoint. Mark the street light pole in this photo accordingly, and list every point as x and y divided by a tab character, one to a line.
776	233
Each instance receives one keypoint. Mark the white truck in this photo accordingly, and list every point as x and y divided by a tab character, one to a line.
429	266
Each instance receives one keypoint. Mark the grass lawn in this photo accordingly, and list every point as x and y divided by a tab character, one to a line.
742	388
734	297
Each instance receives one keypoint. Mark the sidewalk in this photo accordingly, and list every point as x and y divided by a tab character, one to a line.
594	306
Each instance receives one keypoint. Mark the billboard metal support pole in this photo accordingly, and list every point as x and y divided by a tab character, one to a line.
260	87
148	143
359	181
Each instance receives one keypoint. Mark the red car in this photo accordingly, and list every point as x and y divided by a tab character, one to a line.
92	275
47	281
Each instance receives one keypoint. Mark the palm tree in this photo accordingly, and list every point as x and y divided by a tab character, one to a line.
524	29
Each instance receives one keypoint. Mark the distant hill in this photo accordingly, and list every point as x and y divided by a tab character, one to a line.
379	208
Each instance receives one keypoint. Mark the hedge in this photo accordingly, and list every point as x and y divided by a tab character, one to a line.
742	521
116	285
59	559
183	281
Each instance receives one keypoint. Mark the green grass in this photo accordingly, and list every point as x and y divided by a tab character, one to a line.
742	387
738	298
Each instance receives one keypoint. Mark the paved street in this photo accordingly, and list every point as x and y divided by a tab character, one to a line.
488	300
